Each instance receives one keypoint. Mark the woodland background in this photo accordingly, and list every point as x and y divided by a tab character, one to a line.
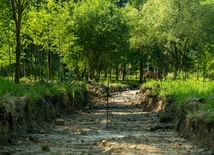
86	39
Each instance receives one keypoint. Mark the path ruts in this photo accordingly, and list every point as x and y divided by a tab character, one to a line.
130	132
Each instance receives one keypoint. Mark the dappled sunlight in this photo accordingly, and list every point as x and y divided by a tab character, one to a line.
129	131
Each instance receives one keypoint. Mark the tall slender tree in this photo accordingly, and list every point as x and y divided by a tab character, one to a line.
18	7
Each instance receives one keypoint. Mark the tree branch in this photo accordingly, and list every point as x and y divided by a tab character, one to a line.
16	2
25	4
166	48
14	11
184	51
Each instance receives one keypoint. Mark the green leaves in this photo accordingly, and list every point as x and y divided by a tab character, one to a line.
7	36
101	29
98	35
48	23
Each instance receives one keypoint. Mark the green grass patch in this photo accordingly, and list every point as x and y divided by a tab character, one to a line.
35	90
32	90
183	90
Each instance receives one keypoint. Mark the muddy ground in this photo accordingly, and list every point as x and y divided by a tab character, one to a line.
130	131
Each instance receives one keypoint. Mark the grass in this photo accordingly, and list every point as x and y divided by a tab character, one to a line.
183	90
34	90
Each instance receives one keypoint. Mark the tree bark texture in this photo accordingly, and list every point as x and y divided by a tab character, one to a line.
18	6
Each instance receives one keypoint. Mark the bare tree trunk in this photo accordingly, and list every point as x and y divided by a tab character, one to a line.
97	77
117	73
197	68
48	65
141	67
18	6
124	71
18	48
110	74
9	52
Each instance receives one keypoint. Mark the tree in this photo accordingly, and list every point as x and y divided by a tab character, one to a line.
7	39
100	29
175	25
139	37
138	4
18	7
206	47
47	28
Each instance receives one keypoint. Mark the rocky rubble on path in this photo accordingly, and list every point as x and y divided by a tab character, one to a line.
130	131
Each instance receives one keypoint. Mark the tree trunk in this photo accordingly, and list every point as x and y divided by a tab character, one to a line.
106	74
197	68
91	74
117	73
175	61
124	71
17	9
160	66
141	67
61	74
48	65
97	77
24	68
18	48
84	72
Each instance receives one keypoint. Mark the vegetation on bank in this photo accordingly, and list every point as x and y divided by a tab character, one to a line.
184	90
35	90
181	91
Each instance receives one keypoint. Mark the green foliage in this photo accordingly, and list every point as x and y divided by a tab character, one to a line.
138	4
78	92
34	90
37	90
7	36
175	26
83	38
101	30
183	90
47	24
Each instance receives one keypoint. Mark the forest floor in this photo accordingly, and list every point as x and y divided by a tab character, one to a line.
130	131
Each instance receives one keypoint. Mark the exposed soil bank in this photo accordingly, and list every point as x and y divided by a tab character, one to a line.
20	115
130	131
194	128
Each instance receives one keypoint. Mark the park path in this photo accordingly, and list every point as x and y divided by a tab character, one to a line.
130	131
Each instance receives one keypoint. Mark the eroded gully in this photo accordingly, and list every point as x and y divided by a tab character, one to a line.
130	131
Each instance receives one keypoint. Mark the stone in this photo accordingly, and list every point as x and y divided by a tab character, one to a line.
45	148
83	133
210	153
105	143
59	122
184	151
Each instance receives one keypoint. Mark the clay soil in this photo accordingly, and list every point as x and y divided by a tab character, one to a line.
130	131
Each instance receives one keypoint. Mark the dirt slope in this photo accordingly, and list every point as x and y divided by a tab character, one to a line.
130	132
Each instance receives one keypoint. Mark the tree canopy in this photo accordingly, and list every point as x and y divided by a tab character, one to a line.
65	39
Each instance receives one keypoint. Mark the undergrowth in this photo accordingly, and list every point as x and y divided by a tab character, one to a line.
183	90
36	90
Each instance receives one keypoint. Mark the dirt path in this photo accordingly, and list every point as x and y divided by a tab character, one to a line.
130	132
